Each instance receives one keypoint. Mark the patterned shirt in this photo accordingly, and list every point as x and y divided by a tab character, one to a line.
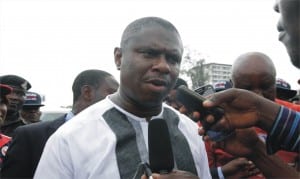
284	133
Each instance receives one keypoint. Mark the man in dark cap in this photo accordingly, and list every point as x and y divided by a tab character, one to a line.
283	90
4	140
30	112
284	94
15	102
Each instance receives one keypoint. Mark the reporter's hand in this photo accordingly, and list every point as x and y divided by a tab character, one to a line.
175	174
242	108
241	143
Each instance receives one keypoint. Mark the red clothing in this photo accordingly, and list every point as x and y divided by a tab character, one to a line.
287	104
4	141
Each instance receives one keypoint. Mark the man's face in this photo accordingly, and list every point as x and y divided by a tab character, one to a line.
256	77
289	27
15	100
150	64
31	114
109	86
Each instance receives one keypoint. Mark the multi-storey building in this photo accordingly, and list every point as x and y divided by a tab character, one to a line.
217	72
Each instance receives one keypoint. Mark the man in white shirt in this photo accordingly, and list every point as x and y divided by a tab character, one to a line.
110	138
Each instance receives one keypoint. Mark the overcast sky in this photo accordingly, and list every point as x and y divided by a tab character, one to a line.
49	42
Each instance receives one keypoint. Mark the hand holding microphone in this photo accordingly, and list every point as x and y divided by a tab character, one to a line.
193	101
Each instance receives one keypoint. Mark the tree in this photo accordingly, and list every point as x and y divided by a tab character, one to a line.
193	67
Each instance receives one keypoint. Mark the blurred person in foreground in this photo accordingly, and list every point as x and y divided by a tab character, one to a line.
15	102
30	112
4	140
23	155
281	123
115	129
289	27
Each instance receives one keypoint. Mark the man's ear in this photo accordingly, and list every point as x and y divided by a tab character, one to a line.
118	57
86	92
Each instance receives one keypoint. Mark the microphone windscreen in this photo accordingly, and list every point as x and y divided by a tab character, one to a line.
160	150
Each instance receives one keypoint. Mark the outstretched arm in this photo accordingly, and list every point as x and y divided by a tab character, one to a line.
246	109
242	104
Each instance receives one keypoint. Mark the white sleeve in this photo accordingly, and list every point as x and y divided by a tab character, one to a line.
55	162
197	146
204	167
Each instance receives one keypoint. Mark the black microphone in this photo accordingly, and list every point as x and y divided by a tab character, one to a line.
192	100
160	149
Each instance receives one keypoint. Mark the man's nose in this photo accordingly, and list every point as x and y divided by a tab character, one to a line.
162	64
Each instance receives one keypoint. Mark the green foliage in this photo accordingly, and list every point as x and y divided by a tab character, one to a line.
192	66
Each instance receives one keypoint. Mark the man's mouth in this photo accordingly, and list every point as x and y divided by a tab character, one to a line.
158	82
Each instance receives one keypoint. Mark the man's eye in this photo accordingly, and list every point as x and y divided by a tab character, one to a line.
174	58
149	53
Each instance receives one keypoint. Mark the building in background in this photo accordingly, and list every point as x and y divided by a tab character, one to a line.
217	72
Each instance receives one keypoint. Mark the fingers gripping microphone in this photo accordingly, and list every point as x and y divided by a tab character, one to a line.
160	149
193	101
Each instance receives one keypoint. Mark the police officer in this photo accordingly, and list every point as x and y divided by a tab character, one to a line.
15	102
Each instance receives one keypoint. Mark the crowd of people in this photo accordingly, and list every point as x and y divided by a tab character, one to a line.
105	134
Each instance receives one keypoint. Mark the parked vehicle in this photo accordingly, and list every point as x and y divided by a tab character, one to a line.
49	114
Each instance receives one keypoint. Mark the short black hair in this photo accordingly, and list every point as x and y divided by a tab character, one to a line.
139	24
91	77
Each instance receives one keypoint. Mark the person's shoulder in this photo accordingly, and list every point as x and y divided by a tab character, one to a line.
86	121
40	125
170	108
94	112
